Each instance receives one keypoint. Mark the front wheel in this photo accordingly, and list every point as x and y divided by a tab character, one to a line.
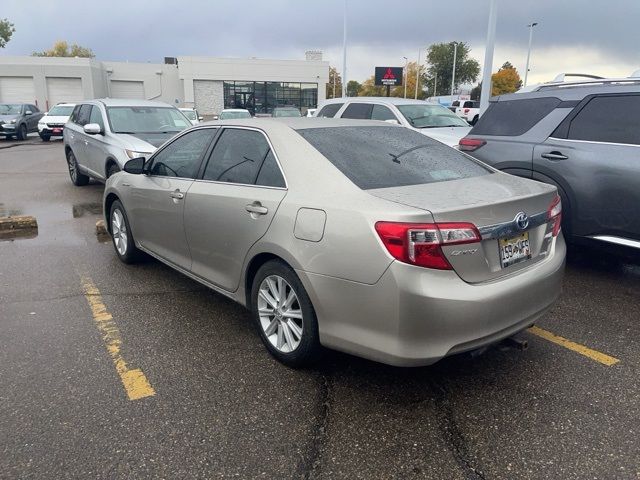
121	234
284	315
22	132
45	137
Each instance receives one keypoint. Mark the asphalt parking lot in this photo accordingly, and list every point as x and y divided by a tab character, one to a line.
209	402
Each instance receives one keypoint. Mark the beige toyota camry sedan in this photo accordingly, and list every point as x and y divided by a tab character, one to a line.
360	236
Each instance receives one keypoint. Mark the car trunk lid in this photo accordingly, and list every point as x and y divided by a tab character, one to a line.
509	212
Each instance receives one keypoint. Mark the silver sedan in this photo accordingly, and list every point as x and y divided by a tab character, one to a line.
360	236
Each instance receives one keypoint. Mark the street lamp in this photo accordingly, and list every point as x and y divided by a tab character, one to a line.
453	70
406	73
488	56
526	71
418	73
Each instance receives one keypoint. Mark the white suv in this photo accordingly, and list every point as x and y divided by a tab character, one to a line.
52	124
430	119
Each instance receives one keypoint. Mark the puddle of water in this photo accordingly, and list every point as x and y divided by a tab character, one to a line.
80	209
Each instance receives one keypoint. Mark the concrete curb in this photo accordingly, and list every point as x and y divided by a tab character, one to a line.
101	228
17	222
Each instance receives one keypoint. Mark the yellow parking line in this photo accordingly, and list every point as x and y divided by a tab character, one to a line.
134	381
576	347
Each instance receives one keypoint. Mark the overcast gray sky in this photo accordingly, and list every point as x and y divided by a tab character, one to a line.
587	36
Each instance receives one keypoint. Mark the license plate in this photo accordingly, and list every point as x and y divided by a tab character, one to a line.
514	250
57	130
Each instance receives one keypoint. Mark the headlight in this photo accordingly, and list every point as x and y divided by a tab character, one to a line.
12	121
134	154
42	124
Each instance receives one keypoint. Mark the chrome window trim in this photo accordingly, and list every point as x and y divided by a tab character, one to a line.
264	134
594	141
507	229
627	242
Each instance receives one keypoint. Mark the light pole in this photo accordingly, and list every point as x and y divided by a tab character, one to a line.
526	70
453	70
435	84
406	73
488	57
418	73
344	53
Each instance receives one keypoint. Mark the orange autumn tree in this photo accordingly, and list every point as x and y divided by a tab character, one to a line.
505	80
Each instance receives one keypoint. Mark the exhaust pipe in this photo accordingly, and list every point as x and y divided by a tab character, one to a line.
516	342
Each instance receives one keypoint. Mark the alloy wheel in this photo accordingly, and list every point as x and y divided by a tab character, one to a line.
119	232
71	162
280	313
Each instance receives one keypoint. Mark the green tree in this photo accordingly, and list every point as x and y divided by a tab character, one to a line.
475	92
353	88
6	30
505	80
334	76
440	59
62	49
370	89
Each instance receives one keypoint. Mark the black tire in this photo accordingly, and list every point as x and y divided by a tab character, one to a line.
78	178
111	169
22	132
309	349
45	138
131	253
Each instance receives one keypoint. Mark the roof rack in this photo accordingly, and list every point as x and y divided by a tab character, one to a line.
561	81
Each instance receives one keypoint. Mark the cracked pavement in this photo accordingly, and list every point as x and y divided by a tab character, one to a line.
224	408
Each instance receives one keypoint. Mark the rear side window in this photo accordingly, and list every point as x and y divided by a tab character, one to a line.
606	119
382	157
361	111
329	111
514	117
270	174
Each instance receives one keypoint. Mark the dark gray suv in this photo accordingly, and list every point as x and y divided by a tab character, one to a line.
582	137
18	119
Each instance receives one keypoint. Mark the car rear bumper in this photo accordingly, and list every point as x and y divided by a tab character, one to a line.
414	316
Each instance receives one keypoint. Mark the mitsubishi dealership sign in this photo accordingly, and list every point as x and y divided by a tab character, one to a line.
389	76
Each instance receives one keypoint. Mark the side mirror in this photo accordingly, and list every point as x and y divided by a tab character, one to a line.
135	166
392	121
28	112
200	118
92	129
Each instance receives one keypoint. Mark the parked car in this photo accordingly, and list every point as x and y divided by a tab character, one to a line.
102	135
18	119
311	112
580	137
234	114
192	114
53	121
356	235
468	110
430	119
280	112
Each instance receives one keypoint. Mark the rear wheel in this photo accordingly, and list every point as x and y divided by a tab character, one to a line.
284	315
121	235
22	132
77	177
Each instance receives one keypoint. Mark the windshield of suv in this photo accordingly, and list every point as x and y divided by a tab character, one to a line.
61	111
10	108
190	114
234	115
430	116
286	112
146	120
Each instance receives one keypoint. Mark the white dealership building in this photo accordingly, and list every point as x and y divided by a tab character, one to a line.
210	84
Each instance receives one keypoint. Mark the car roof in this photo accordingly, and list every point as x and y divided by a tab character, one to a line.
299	123
127	102
571	92
387	100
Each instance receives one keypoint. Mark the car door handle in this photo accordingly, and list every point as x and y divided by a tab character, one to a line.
256	207
178	195
554	156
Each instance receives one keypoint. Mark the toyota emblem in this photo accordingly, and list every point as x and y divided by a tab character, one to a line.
522	221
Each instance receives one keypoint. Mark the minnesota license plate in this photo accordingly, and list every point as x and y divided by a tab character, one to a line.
514	250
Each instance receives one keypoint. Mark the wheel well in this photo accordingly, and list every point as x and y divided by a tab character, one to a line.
110	161
112	197
254	265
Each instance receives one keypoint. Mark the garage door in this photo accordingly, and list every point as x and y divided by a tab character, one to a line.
127	89
64	90
17	89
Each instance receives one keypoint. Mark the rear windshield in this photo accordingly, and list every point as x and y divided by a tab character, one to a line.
382	157
514	117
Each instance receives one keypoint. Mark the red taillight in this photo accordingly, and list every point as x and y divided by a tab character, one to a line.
554	214
420	243
470	144
466	110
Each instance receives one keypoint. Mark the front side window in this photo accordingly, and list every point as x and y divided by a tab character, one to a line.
360	111
181	158
75	114
606	119
96	117
134	120
387	156
237	157
83	115
329	111
380	112
424	115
